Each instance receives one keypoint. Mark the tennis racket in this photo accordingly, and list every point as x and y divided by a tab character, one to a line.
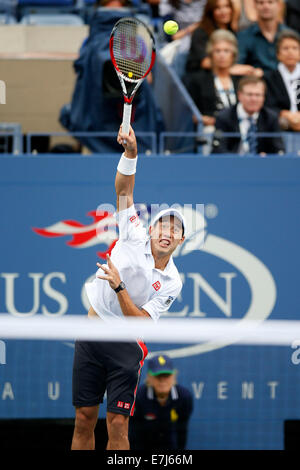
132	51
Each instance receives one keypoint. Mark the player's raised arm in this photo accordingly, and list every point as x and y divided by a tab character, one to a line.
125	176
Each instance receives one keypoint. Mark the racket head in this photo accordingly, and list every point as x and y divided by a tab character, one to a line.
132	49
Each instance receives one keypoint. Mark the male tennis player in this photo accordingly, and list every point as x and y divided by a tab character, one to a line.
139	280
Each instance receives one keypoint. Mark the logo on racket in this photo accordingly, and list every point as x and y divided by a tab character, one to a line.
137	50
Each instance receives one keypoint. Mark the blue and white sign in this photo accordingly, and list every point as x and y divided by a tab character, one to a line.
241	263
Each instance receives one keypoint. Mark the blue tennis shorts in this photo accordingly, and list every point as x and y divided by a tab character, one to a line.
114	367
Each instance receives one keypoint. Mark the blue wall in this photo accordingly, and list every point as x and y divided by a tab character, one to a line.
247	268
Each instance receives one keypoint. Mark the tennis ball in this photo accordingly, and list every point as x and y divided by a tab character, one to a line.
171	27
130	74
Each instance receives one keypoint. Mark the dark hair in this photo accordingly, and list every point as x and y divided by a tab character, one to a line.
287	34
250	80
175	3
208	22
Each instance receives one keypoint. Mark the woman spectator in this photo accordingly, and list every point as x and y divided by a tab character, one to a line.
218	14
215	89
284	83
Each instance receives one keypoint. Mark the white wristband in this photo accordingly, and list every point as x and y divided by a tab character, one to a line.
127	166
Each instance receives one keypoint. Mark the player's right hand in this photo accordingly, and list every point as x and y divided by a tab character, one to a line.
128	142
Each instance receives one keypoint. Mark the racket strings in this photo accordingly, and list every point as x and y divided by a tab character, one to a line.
132	50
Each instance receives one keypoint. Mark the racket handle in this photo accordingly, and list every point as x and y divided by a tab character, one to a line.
126	118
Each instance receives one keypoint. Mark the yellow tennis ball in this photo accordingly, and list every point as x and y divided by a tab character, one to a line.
171	27
130	74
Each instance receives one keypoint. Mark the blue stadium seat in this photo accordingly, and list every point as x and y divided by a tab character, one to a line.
46	3
52	19
43	7
8	7
7	19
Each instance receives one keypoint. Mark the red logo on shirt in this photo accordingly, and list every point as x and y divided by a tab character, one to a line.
156	285
120	404
134	219
126	406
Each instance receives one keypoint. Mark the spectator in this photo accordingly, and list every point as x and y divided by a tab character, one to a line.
245	13
154	7
257	44
218	14
215	89
97	101
292	16
162	410
284	83
187	13
248	118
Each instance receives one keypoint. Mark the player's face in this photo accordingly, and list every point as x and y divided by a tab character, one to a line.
252	97
289	52
166	235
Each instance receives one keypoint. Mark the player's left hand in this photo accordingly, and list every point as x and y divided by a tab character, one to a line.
112	274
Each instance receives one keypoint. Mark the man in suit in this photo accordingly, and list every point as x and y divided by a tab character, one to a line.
247	119
283	84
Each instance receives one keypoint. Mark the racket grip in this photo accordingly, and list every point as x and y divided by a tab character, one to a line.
126	118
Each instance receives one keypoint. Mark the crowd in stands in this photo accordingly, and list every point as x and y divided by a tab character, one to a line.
242	70
238	60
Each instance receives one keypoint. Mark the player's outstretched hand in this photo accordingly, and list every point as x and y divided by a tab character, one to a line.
128	142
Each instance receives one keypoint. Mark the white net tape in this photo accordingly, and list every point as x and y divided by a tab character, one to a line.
71	327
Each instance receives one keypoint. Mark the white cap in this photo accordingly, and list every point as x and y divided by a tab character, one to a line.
169	211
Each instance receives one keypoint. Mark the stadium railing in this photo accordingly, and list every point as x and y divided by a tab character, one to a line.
158	144
15	131
101	135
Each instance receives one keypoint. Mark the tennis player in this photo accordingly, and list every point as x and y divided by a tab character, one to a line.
139	280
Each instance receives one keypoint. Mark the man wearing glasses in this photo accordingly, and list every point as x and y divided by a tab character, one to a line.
246	121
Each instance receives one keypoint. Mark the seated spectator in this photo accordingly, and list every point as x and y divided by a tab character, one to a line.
97	101
292	16
218	14
162	410
187	13
245	13
248	118
154	7
257	44
215	89
284	83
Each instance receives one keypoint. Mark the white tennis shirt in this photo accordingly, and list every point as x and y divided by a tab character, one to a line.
149	288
